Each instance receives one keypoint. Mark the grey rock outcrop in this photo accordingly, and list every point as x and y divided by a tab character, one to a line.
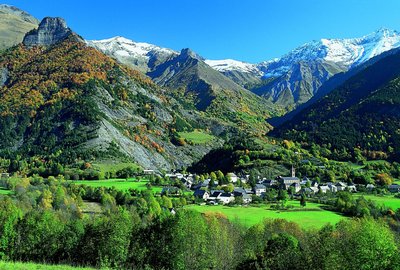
3	76
50	31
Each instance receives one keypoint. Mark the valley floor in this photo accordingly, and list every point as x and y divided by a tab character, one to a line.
311	216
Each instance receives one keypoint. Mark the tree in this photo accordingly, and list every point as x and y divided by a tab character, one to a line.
106	241
221	178
303	201
384	179
282	195
166	202
213	176
238	200
10	215
41	233
365	244
46	199
229	188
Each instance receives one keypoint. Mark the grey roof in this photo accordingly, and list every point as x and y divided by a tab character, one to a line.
340	184
239	189
216	193
290	178
226	194
269	181
246	196
307	189
199	193
259	186
206	182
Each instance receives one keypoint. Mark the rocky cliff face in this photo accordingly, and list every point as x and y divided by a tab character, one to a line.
50	31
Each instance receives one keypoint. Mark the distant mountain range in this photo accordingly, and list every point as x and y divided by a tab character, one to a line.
298	75
191	77
288	81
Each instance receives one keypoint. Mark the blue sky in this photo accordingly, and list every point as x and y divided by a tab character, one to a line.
247	30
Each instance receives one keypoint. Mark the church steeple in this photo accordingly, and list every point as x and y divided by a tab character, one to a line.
293	172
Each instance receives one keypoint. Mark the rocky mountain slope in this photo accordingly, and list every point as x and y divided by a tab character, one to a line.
361	113
189	78
14	24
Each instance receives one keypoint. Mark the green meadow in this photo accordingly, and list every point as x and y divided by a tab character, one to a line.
4	191
386	200
196	137
119	184
311	216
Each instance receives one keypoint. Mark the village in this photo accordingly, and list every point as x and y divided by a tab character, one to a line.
239	191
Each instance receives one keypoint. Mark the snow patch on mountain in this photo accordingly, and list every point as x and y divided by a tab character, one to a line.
232	65
126	47
353	52
346	53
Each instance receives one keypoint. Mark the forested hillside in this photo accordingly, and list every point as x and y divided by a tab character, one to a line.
71	102
362	113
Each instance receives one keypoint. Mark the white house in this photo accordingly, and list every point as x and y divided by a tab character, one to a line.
215	194
226	198
332	187
370	187
324	189
232	177
352	188
340	186
247	198
201	194
259	189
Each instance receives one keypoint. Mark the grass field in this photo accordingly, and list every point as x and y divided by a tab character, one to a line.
196	137
388	200
312	216
4	191
111	166
34	266
356	166
119	184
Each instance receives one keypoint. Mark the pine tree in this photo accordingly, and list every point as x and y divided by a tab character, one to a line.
303	201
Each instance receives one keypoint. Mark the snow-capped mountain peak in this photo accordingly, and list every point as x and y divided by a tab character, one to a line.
346	53
232	65
123	47
352	52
